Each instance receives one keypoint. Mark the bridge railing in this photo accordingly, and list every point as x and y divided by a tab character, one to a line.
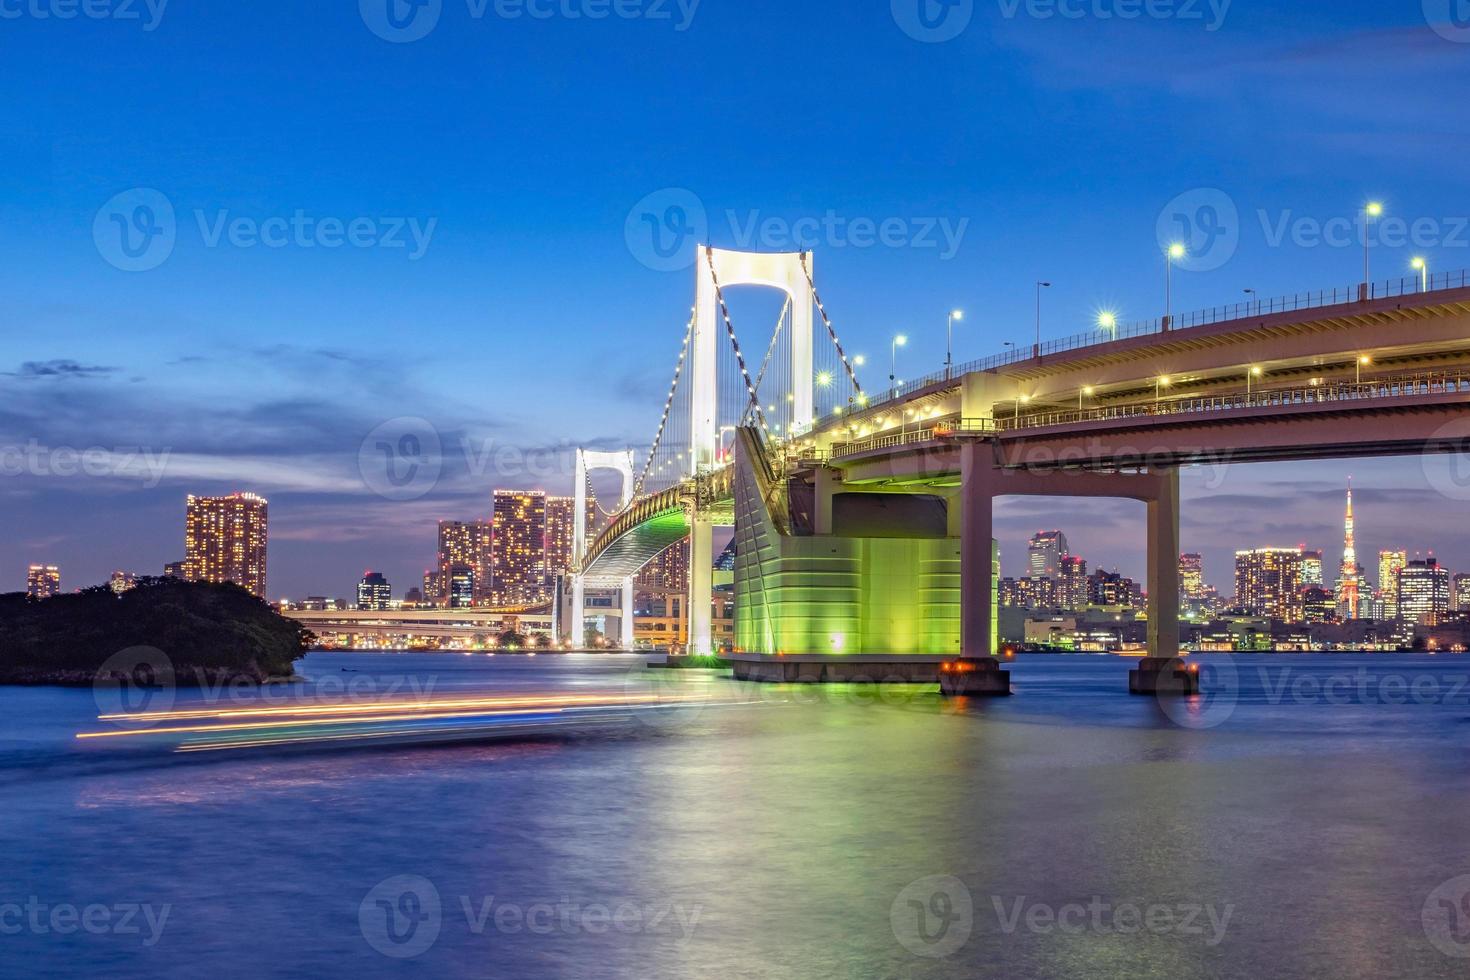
1399	386
1384	289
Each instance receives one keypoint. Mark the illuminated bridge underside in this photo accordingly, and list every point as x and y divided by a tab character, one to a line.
653	523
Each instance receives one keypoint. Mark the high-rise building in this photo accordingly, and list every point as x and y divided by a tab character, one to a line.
1312	567
1350	573
561	526
225	540
1072	583
374	592
466	545
1045	554
1191	575
519	569
461	587
1462	592
1390	563
121	582
433	589
1423	591
669	570
1268	582
1112	589
174	569
1318	605
43	581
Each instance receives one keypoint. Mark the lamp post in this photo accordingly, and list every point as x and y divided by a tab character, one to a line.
1173	254
1160	384
1252	292
1371	210
1039	287
1108	320
1364	360
1253	373
1085	392
1422	267
949	341
1020	400
899	341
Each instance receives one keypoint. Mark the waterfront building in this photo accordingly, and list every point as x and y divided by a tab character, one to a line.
1072	591
518	576
669	570
460	587
1390	563
43	581
225	540
121	582
1318	605
1312	567
465	544
1423	591
1268	582
374	592
174	569
561	528
433	589
1462	592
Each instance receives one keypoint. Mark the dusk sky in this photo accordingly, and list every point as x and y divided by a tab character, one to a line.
493	171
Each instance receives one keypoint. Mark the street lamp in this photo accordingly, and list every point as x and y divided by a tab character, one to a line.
1371	210
1108	320
1085	392
1251	292
1423	269
899	341
1161	383
1039	287
1254	372
1364	360
1021	400
1175	252
949	340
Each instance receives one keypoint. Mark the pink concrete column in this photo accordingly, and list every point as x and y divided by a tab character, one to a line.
1163	566
977	494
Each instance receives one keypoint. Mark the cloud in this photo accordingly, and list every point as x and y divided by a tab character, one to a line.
61	368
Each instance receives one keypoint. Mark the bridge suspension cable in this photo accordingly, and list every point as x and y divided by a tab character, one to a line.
842	354
754	409
648	464
781	322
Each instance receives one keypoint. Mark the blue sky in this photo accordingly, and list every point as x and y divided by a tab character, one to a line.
521	318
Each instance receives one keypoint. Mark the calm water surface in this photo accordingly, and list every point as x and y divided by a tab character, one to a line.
1310	821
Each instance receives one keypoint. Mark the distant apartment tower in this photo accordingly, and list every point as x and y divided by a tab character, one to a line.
1390	563
1268	582
1045	554
225	540
1319	605
121	582
519	567
374	592
1191	575
1072	591
1312	567
561	514
43	581
1113	589
465	546
1462	592
1423	592
174	569
668	570
433	590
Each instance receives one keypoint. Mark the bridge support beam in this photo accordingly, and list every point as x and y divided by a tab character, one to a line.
701	584
625	625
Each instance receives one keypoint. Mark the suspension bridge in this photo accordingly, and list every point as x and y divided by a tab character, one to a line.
863	523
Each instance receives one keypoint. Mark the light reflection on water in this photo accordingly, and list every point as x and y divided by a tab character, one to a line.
784	826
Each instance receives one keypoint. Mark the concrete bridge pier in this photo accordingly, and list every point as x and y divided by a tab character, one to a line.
983	478
701	583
